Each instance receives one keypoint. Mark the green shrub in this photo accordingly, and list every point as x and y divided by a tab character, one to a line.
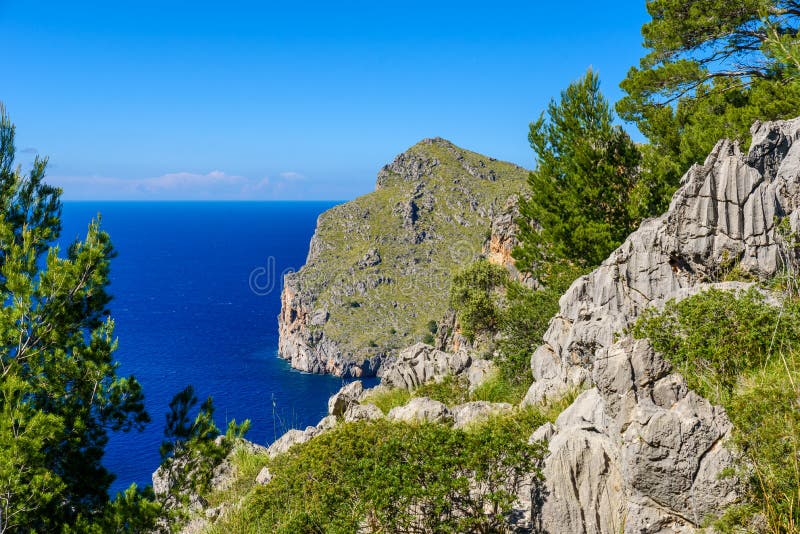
472	296
498	388
428	338
524	321
451	390
766	420
715	336
394	477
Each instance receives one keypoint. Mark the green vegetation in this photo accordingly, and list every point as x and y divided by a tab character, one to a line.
394	477
190	450
488	302
582	190
387	398
57	337
60	395
451	390
741	352
715	337
472	295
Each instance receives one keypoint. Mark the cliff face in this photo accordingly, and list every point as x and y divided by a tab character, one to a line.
379	267
638	451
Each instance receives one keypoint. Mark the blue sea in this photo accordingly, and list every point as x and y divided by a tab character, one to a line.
196	289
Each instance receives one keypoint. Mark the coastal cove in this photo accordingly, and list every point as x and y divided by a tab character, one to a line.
186	313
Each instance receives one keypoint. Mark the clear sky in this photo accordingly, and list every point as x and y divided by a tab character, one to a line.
288	100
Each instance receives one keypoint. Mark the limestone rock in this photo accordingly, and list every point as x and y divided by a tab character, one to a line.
344	398
502	240
421	409
326	423
543	433
476	412
479	371
421	363
722	216
290	439
264	476
640	452
362	412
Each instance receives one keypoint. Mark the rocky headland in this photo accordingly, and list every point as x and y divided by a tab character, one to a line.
379	267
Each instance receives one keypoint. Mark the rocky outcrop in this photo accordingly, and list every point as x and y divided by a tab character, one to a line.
421	363
638	451
347	396
502	240
477	412
378	267
421	410
362	412
722	217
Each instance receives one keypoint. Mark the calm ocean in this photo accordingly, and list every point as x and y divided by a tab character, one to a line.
196	290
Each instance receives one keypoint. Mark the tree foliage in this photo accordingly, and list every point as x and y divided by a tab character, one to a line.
582	201
712	69
60	391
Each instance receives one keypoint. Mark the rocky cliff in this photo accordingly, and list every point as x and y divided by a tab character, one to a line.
379	267
638	451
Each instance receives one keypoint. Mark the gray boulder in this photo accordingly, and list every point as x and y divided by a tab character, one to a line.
264	476
543	433
421	409
326	423
363	412
422	363
477	412
344	398
479	371
290	439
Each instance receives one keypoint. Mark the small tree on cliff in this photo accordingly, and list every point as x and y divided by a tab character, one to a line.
583	186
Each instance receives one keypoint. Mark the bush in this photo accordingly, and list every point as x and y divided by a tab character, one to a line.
715	336
472	297
395	477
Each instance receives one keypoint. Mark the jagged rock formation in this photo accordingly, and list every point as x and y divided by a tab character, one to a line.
421	363
378	267
639	451
502	240
420	410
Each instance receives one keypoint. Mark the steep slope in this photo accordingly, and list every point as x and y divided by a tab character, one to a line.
638	451
379	267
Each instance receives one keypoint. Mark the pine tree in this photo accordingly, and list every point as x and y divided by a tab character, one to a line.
60	395
713	68
583	188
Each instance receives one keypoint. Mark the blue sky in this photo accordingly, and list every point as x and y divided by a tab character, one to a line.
288	100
